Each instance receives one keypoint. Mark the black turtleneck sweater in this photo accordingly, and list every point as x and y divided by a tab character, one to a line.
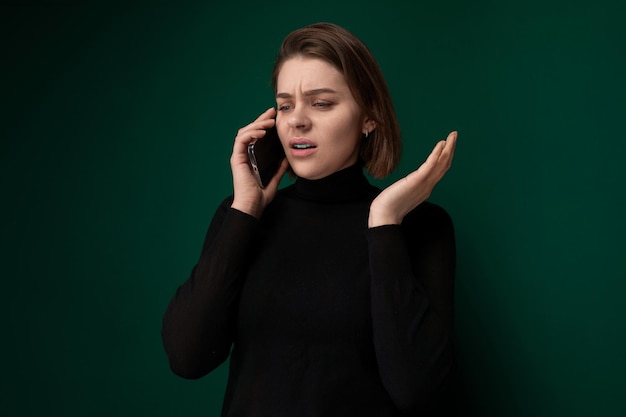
324	316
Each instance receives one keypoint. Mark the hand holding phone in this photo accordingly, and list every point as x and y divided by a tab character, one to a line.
265	156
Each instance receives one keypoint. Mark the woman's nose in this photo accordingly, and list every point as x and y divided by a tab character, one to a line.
298	120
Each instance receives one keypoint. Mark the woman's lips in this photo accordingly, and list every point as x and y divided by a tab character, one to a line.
301	147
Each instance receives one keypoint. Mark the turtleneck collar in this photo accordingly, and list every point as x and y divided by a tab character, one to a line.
348	184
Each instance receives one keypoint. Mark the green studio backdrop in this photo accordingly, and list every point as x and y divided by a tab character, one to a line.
117	125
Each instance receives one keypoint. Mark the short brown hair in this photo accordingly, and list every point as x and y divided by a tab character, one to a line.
380	152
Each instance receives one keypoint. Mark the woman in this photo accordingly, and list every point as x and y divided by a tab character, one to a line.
336	298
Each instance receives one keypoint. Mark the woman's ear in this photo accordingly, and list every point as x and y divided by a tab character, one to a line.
368	126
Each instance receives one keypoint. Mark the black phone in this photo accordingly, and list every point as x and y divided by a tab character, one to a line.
265	155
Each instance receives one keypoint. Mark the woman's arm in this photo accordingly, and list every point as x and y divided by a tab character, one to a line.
198	325
412	268
412	263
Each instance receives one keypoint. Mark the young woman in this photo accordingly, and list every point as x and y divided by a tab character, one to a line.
332	297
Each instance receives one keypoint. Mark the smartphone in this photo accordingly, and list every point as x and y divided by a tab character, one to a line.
265	155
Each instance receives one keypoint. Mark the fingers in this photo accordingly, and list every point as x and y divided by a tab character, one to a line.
451	143
260	124
439	148
439	160
253	131
447	146
435	155
443	152
267	114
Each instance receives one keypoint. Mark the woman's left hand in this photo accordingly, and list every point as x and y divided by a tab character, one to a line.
397	200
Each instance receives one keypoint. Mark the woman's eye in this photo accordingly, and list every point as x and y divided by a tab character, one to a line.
283	107
322	104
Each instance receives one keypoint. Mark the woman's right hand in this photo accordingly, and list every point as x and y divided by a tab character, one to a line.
249	197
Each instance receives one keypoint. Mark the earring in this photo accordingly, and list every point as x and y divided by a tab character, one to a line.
367	133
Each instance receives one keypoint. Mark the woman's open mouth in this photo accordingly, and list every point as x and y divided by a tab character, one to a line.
301	147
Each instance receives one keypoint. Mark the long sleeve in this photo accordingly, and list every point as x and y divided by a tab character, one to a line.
412	270
320	315
198	325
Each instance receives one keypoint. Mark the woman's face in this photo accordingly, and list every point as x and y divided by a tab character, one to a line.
319	123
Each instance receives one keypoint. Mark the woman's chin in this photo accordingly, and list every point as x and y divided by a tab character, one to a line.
308	173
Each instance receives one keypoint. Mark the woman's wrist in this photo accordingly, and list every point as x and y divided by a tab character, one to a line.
382	219
251	209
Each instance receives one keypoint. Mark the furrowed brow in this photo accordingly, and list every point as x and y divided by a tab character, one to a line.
318	91
308	93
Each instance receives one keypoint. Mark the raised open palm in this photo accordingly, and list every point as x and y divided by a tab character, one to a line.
397	200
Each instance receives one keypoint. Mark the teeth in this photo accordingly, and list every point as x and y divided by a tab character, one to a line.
302	146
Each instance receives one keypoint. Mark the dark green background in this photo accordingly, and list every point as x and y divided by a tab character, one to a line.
116	130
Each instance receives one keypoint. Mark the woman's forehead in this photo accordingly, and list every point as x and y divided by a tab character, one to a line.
309	74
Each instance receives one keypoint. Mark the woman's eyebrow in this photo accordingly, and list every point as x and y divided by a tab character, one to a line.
307	93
